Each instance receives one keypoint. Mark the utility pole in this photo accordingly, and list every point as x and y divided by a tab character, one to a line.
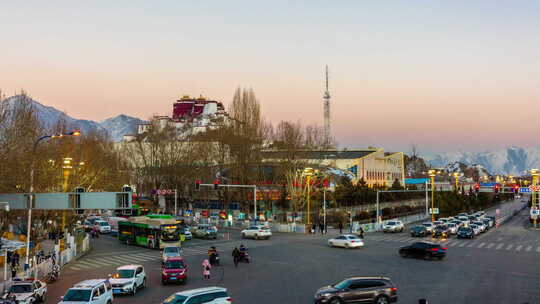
324	208
175	202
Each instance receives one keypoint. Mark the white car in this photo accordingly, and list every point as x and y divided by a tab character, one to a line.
128	279
393	226
28	291
97	291
346	241
480	225
210	295
429	226
257	232
170	252
475	228
102	226
464	220
452	228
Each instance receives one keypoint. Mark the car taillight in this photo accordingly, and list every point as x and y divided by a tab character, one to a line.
353	241
434	249
261	230
444	248
393	289
229	300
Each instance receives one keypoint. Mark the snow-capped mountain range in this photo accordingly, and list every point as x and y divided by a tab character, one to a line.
512	160
116	127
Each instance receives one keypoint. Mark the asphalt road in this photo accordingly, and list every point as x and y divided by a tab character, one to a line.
499	266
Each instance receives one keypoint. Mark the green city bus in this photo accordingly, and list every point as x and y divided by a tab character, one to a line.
151	231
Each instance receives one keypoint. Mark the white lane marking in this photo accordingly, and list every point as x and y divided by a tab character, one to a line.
528	248
481	245
144	255
509	247
490	245
518	248
538	249
499	246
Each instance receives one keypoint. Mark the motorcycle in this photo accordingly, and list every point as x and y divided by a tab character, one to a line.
244	257
214	259
54	274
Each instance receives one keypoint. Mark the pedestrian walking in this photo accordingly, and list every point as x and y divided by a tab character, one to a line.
236	256
361	231
14	269
15	258
206	269
340	225
313	228
321	227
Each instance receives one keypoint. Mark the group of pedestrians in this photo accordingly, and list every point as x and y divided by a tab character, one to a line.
238	254
322	228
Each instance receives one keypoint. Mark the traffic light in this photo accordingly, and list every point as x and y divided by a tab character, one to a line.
216	184
198	184
496	188
516	189
477	188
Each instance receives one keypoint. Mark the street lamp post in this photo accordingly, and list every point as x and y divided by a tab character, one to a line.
457	175
32	195
534	199
432	173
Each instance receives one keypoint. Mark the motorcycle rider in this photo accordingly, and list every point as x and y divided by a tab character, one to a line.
55	272
243	251
213	256
11	297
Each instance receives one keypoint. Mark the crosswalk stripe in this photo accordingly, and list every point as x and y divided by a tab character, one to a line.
405	240
528	248
481	245
509	247
115	260
92	263
518	248
499	246
76	268
471	244
490	245
462	244
145	255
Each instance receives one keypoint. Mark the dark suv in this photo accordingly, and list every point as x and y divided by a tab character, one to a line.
378	290
423	250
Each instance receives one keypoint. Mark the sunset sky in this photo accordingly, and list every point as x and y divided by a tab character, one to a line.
446	75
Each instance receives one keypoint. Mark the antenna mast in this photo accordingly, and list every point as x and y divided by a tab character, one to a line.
327	120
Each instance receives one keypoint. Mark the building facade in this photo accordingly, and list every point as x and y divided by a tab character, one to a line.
373	166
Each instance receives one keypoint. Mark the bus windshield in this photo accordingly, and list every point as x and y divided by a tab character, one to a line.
170	233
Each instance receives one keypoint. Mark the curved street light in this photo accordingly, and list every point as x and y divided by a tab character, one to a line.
32	196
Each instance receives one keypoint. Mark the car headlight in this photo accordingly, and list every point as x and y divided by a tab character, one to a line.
324	295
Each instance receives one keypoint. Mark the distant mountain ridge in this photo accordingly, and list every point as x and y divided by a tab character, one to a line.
512	160
116	127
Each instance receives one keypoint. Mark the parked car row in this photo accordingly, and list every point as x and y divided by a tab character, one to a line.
463	226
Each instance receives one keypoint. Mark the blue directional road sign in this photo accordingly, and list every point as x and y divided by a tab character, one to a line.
524	190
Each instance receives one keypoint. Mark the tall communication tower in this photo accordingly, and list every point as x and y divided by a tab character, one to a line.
327	121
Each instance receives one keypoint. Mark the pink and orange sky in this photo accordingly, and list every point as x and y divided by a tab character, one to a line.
447	75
